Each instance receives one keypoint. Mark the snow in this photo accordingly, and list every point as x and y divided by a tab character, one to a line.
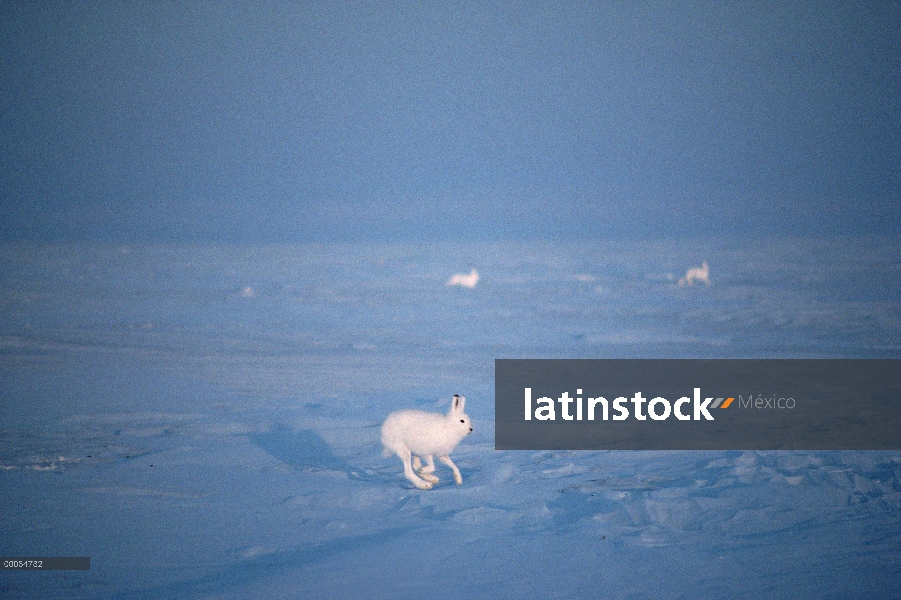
198	441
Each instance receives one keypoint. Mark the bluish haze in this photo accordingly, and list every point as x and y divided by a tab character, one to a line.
304	121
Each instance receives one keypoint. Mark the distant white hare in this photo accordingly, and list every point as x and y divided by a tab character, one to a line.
696	274
416	432
464	280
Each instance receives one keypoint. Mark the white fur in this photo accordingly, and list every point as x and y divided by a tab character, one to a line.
424	434
464	280
696	274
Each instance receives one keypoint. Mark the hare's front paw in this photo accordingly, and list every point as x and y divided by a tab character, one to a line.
429	477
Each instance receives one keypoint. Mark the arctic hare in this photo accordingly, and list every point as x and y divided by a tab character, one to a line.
465	280
425	434
701	273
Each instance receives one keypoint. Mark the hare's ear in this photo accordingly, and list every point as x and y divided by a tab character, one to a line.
457	406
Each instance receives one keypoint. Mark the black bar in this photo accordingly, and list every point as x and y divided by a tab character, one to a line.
45	563
777	404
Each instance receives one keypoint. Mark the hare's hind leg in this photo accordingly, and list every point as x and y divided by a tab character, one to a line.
426	471
405	456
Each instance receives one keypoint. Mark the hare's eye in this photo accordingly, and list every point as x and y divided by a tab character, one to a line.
462	421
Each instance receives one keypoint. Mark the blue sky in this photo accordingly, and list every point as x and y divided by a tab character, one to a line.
295	121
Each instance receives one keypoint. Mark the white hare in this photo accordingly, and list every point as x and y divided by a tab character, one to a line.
424	434
464	280
696	274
